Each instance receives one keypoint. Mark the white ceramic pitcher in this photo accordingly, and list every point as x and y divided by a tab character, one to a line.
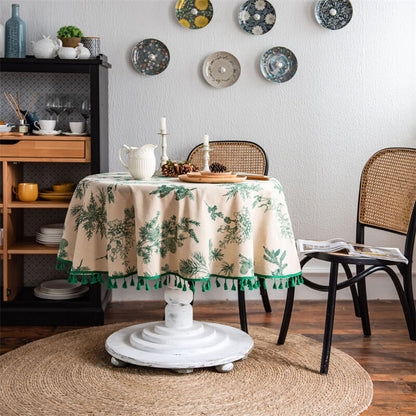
141	161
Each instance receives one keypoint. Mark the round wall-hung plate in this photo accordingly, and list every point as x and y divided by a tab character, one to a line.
150	57
194	14
221	69
256	16
333	14
278	64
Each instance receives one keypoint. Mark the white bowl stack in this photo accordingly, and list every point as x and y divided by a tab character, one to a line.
59	289
50	235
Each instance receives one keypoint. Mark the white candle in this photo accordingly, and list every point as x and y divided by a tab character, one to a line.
163	124
206	140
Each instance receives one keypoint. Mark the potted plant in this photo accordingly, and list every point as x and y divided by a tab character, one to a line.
70	36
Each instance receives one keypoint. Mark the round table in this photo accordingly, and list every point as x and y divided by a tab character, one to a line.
165	232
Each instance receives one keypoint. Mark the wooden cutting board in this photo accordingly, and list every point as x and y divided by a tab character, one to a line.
211	179
9	133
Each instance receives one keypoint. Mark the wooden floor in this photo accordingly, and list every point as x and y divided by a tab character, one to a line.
388	355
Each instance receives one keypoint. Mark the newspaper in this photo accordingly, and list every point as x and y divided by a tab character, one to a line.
351	249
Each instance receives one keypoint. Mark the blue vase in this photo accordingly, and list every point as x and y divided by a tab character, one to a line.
15	35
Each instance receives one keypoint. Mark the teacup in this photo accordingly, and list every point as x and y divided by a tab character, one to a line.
26	192
48	126
77	127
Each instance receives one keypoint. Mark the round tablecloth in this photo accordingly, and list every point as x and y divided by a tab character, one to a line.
138	231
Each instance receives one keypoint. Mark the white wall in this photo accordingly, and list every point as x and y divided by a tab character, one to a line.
354	93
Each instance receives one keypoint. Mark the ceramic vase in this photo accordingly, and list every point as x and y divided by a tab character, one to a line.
15	35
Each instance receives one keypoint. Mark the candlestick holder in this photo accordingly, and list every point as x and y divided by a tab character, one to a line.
205	157
164	157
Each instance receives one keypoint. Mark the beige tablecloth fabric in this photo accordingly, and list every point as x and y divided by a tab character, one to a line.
122	228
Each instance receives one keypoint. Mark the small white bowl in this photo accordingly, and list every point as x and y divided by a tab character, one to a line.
4	128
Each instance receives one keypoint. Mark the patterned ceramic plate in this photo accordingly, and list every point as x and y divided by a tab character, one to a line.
256	16
221	69
278	64
194	14
150	57
333	14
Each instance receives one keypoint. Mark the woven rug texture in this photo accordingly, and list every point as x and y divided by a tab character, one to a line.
71	374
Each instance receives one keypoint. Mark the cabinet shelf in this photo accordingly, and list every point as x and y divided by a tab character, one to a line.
39	204
28	246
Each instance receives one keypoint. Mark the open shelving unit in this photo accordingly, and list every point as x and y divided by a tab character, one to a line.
34	158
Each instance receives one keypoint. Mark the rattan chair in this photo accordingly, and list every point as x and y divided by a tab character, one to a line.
237	156
386	202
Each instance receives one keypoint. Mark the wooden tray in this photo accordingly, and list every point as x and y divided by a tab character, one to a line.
194	177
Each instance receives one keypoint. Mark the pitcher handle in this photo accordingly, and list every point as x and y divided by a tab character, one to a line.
119	155
14	190
36	124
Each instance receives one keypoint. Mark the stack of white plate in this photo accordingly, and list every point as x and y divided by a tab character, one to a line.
59	289
50	235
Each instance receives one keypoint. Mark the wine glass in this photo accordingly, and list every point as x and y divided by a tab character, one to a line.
86	111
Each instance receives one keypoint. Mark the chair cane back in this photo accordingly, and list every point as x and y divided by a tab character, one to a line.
236	155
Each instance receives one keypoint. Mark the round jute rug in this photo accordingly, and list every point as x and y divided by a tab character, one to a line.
70	374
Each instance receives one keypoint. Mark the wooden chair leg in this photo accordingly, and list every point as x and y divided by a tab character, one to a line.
362	297
286	315
265	297
329	320
242	310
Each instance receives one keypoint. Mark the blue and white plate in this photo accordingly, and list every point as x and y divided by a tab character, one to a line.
256	17
150	57
333	14
278	64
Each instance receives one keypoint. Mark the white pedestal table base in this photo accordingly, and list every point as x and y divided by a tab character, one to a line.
179	342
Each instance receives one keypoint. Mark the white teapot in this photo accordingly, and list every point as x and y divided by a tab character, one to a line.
45	48
65	52
141	162
84	53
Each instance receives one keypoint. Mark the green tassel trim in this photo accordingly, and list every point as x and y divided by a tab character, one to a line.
281	284
274	284
156	285
132	282
115	286
250	284
184	289
242	284
147	286
139	286
125	284
100	279
165	282
208	285
233	286
287	283
84	280
179	285
193	286
218	284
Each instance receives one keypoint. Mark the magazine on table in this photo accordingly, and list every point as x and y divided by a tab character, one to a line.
351	249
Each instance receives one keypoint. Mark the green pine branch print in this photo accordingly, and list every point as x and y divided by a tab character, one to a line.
273	257
180	191
215	254
236	230
212	211
244	189
166	238
93	218
62	249
246	265
195	266
120	234
227	269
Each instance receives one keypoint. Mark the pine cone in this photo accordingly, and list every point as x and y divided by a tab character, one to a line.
185	168
168	169
216	167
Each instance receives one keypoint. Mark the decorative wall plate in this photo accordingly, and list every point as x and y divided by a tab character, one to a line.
278	64
256	16
333	14
221	69
194	14
150	57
